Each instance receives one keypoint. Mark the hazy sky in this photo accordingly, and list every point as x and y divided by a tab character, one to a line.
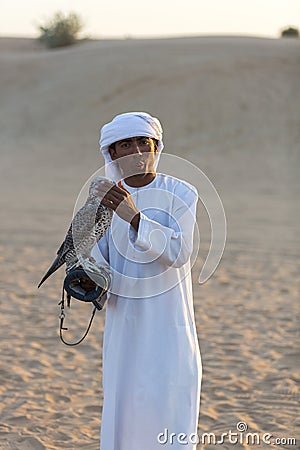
118	18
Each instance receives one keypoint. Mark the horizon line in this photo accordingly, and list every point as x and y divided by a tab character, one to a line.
153	37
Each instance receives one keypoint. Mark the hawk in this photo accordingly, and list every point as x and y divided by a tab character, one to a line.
87	228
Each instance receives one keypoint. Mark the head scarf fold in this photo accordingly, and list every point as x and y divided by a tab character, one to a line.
125	126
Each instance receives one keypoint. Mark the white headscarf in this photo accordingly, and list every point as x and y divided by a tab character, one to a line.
125	126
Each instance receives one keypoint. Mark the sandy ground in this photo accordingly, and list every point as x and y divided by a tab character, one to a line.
231	106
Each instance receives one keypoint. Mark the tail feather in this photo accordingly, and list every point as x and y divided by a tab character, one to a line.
57	263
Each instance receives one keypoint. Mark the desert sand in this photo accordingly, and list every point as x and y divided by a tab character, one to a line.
230	106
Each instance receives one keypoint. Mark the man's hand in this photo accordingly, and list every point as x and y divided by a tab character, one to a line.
119	200
87	284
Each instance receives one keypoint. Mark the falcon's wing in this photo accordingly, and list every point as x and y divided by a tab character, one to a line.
57	263
87	227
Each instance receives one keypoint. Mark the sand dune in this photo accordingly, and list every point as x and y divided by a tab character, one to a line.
229	105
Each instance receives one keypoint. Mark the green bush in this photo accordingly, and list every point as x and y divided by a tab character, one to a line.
290	32
61	30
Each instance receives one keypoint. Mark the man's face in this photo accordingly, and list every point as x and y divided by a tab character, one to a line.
136	155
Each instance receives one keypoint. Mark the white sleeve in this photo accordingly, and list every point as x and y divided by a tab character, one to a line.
172	244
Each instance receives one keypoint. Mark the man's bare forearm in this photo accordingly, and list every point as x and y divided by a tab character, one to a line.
135	222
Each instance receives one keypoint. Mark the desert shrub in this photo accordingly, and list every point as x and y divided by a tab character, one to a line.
290	32
61	30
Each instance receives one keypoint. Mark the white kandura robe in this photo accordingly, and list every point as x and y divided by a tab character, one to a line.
151	359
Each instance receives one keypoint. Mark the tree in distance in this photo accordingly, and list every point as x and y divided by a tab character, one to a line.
61	30
290	32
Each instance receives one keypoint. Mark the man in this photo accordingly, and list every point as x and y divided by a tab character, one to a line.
151	359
